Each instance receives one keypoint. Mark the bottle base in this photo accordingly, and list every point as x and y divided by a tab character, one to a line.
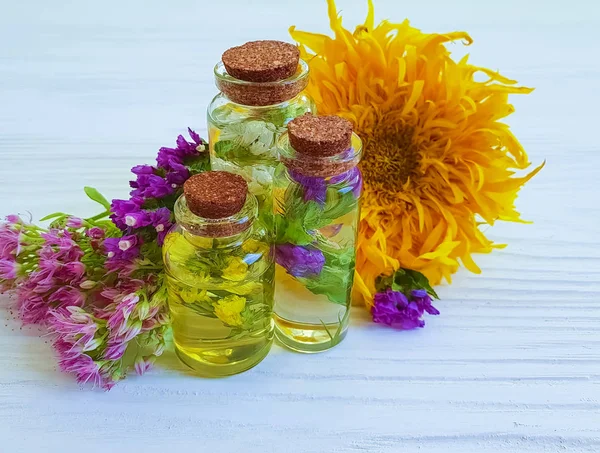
206	364
309	338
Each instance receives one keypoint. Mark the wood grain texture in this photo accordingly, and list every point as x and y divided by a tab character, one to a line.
513	363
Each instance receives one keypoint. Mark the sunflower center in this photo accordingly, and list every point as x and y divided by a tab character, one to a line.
390	158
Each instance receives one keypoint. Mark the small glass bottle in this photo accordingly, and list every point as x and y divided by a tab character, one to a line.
220	275
317	202
261	87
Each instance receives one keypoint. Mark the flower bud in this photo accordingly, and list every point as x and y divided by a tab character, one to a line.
87	284
143	310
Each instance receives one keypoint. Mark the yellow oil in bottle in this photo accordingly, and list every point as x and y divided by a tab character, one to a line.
220	299
309	322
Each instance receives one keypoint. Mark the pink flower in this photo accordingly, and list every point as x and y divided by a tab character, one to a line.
95	233
117	322
74	222
75	326
66	296
9	242
114	351
14	219
60	246
82	366
131	331
143	364
33	309
72	271
123	268
8	269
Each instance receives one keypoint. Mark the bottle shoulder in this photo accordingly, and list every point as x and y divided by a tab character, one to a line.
203	262
222	111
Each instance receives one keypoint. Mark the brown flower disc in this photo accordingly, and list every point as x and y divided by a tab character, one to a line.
262	61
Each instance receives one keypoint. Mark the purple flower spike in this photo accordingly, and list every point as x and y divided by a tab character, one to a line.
197	140
122	208
151	186
143	170
300	261
161	221
178	174
170	158
123	248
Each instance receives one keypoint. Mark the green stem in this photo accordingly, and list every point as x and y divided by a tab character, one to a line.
98	216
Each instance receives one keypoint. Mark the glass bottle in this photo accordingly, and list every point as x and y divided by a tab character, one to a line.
247	117
220	277
317	204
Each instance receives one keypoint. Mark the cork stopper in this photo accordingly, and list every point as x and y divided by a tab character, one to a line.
262	61
215	194
320	136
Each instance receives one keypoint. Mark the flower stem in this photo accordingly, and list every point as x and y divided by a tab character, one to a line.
98	216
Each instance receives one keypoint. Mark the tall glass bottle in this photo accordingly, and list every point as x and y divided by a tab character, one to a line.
220	275
317	195
261	89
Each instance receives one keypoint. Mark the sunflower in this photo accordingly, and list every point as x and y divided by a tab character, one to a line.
438	161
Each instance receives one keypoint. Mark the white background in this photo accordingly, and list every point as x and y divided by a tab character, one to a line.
89	89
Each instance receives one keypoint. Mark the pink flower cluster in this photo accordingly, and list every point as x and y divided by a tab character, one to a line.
98	284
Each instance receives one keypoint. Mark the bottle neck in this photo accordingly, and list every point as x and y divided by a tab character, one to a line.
322	167
259	94
216	233
208	242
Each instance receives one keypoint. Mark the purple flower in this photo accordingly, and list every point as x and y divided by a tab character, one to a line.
143	170
352	179
151	186
394	309
423	300
123	248
171	158
178	175
121	208
197	140
314	188
300	261
168	157
137	219
161	221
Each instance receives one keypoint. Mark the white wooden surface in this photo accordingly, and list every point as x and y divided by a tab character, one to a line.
88	89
